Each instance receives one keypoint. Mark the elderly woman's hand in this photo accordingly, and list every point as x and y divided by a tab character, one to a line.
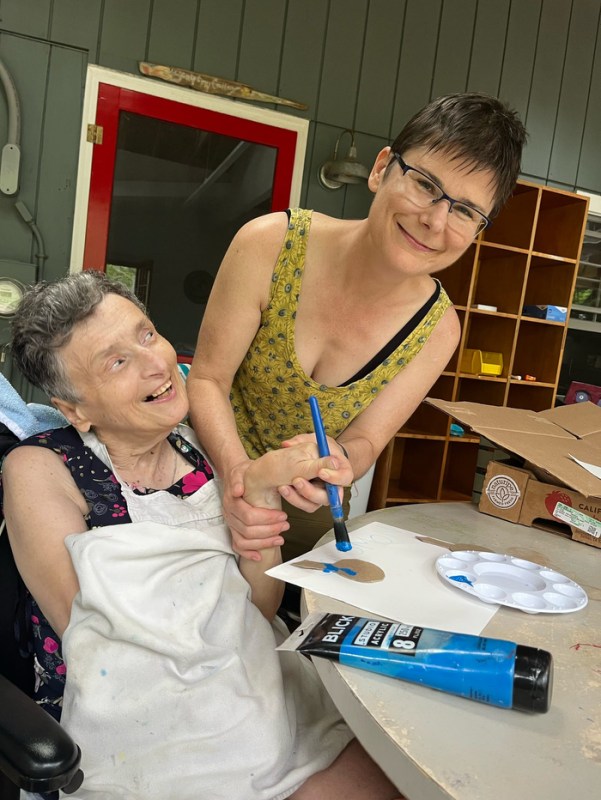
293	470
253	528
309	494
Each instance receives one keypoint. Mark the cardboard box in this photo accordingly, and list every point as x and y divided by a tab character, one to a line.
555	313
546	487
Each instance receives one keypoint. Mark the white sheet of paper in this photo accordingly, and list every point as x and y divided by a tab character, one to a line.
411	590
592	468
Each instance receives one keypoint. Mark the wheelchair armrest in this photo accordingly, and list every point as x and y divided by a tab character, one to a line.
36	754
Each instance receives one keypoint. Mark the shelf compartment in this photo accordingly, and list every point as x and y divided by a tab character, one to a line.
457	279
491	333
460	471
531	396
514	224
549	282
500	279
427	420
491	391
538	350
415	469
560	224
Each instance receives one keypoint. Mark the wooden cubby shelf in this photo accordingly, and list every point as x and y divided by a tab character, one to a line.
528	256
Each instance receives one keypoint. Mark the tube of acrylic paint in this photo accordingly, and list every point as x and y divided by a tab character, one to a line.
492	671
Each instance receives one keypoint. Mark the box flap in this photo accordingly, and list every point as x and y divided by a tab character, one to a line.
483	418
537	438
581	419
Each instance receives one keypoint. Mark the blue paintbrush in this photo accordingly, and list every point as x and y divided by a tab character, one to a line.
340	531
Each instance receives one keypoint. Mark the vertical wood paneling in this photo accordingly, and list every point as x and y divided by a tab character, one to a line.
302	53
77	24
573	100
520	48
357	200
380	66
454	47
124	34
488	47
304	203
58	156
29	17
589	170
327	201
172	32
416	66
260	44
218	37
343	50
27	62
546	84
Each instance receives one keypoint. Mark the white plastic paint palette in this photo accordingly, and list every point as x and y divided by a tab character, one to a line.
511	581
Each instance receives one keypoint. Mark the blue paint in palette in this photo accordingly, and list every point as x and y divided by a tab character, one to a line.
461	579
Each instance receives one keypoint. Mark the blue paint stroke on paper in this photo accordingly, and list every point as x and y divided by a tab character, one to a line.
334	568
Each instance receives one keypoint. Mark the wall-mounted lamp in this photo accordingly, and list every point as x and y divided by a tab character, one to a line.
335	173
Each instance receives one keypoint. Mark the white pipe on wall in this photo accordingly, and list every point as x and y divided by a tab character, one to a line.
11	152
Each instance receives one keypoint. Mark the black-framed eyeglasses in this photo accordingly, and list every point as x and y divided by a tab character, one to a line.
423	192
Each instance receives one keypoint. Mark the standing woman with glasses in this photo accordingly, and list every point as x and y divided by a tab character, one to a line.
351	311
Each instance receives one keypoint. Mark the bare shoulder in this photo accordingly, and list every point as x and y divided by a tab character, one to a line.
330	226
444	338
39	473
22	459
450	327
261	233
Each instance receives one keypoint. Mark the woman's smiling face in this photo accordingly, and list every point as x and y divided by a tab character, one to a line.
124	373
419	239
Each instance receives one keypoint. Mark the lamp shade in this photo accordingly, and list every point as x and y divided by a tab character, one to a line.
338	171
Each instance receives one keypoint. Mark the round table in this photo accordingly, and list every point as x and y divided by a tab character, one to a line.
433	745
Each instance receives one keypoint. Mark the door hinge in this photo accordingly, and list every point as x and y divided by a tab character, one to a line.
95	133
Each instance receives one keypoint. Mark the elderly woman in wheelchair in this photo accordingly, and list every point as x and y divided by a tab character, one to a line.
152	640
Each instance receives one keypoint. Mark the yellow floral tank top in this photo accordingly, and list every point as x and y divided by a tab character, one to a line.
270	389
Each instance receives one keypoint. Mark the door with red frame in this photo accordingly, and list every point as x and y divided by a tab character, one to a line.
174	177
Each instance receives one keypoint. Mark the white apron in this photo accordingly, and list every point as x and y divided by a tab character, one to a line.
174	689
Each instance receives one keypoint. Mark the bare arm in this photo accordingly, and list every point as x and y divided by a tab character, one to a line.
231	320
261	480
42	507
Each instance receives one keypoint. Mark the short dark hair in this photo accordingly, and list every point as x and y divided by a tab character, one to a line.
45	320
473	127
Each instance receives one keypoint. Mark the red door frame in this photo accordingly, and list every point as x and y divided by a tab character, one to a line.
113	99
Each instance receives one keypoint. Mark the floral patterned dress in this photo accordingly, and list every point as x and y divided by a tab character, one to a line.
106	506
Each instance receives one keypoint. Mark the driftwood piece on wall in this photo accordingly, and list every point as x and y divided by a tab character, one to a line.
213	85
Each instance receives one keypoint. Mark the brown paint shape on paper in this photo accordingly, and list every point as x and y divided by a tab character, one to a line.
351	568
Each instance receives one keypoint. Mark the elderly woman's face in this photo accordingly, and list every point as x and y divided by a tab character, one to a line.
124	372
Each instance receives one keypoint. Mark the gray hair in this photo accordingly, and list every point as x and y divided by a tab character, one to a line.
45	320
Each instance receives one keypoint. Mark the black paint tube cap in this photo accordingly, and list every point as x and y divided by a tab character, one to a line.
532	679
